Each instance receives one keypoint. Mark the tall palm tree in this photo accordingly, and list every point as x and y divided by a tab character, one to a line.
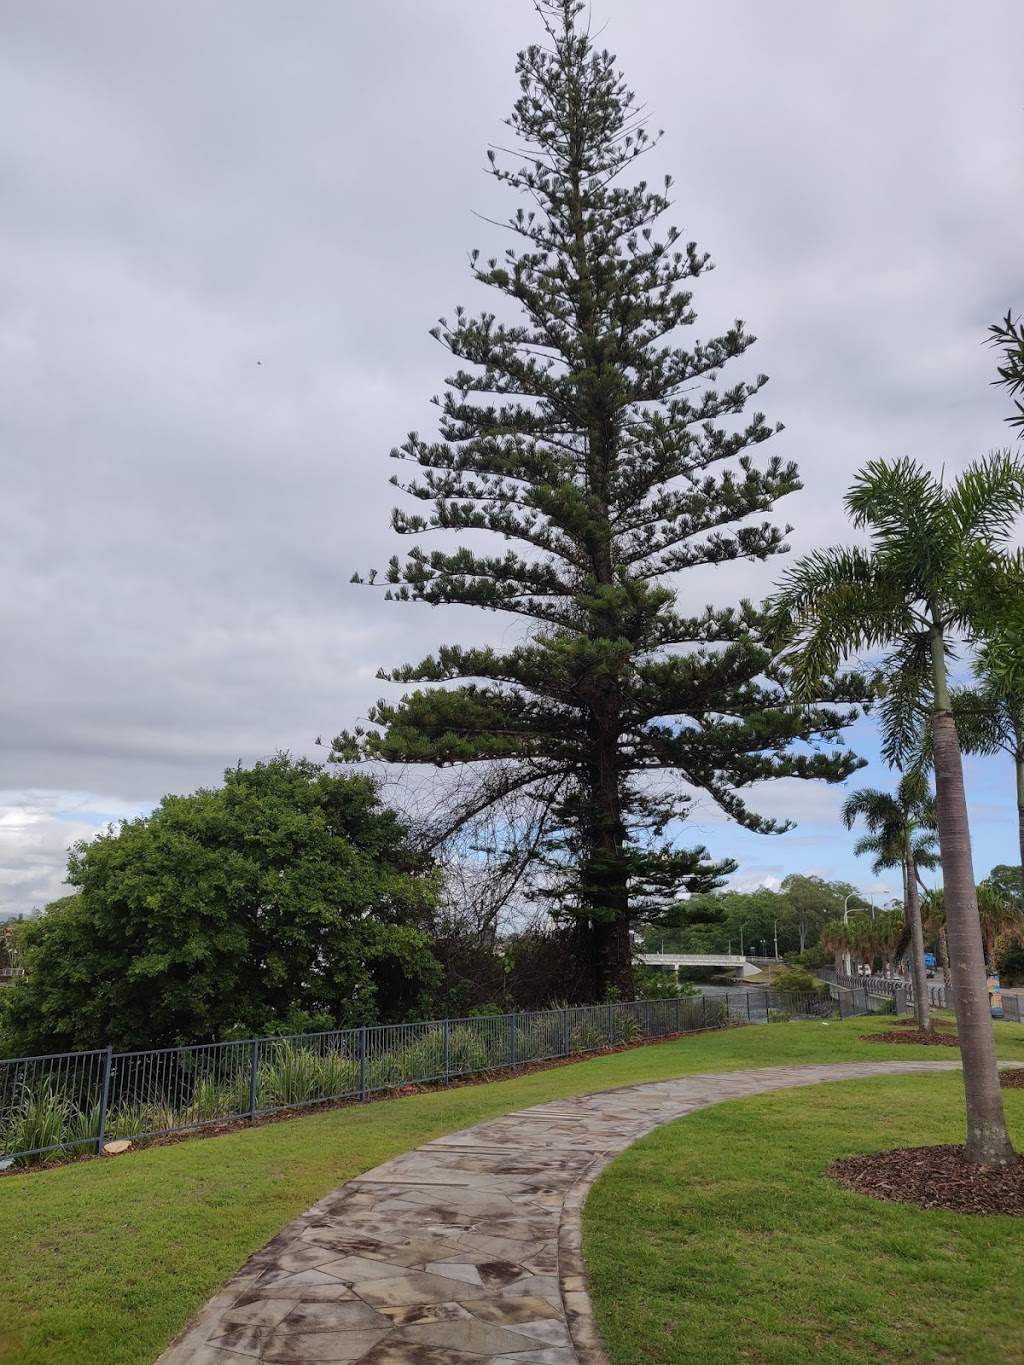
935	551
901	833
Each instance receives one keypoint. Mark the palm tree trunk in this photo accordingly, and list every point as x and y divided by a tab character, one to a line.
943	946
919	973
988	1142
1019	765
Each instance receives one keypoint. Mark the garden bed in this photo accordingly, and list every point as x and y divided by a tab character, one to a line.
913	1035
934	1178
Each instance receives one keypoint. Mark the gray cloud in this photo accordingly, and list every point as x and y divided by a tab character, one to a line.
225	231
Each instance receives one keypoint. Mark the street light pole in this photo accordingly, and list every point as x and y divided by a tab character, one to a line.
776	940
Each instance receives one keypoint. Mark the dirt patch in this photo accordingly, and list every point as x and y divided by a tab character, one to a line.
1012	1080
912	1035
934	1178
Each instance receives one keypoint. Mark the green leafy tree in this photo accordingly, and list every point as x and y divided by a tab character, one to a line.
813	899
935	553
596	445
289	891
1008	882
901	833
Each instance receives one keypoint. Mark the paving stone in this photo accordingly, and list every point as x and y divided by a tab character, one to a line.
338	1317
247	1341
416	1287
454	1270
409	1314
528	1308
260	1313
298	1348
471	1335
467	1251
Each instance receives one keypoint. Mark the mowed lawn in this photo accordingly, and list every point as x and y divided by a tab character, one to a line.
720	1238
105	1261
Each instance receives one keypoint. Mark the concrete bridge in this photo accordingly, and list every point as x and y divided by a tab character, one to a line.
742	965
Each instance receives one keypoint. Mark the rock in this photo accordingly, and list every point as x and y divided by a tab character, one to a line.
116	1148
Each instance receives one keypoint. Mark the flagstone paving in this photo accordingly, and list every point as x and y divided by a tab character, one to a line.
467	1250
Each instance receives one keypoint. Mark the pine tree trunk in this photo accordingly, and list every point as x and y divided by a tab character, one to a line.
988	1142
922	1008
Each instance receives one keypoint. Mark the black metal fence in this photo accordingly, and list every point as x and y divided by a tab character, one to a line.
75	1103
769	1007
880	987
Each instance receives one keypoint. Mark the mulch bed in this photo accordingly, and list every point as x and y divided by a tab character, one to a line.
934	1178
913	1035
1012	1080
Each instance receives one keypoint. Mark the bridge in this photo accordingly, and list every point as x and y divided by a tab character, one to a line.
742	965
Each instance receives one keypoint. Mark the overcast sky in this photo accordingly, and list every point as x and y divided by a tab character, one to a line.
225	230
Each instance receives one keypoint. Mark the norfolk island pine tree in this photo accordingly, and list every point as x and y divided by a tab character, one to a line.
936	551
602	451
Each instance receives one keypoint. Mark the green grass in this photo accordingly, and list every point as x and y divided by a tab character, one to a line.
719	1238
104	1261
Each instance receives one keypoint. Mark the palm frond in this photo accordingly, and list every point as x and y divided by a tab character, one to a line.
988	498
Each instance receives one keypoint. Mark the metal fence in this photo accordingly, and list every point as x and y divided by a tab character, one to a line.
897	988
74	1103
768	1006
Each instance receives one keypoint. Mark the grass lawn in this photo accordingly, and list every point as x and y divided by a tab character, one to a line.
719	1238
106	1260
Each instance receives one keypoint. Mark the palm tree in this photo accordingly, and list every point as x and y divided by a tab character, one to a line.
990	720
1001	920
901	827
1010	340
935	551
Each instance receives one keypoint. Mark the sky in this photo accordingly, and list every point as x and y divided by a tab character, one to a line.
224	235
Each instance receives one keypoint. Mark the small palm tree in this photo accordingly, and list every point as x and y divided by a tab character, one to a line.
901	833
1010	341
1001	920
936	552
990	720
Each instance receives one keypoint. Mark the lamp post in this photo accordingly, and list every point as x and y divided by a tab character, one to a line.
776	940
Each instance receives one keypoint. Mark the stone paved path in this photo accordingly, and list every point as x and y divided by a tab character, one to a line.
467	1250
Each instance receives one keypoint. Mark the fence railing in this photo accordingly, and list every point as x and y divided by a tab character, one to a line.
75	1103
768	1006
938	996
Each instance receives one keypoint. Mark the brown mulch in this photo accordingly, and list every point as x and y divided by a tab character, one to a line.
1012	1080
912	1035
934	1178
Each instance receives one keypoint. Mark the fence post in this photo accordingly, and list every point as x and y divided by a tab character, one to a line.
748	1006
362	1063
679	1006
565	1033
611	1025
704	1009
254	1071
512	1040
867	1002
447	1051
108	1058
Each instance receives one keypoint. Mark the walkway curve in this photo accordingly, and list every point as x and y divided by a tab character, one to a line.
467	1250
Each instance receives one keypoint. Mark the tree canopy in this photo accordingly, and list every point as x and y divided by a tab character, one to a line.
597	447
285	897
